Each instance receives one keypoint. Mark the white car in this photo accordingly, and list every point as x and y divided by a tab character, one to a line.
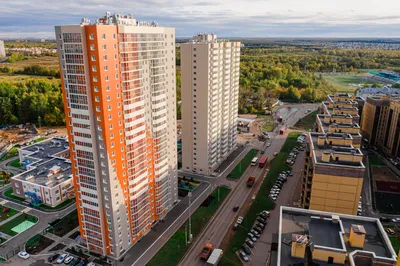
68	259
24	255
396	220
275	153
91	264
61	258
268	144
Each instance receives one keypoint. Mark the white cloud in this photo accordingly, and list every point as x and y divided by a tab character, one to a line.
258	17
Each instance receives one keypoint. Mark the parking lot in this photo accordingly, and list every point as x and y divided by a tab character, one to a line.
257	245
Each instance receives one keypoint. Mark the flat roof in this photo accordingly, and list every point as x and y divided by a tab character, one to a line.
49	173
325	232
325	126
48	147
51	165
318	150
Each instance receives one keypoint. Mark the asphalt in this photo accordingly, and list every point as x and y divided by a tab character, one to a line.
224	218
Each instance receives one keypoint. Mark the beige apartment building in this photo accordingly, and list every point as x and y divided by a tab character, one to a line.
210	90
333	171
381	123
118	81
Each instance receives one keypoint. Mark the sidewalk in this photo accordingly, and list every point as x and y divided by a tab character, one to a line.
9	219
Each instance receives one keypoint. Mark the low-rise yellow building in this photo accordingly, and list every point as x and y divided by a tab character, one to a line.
309	237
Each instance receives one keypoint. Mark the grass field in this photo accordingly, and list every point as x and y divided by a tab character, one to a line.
342	83
8	214
261	202
307	122
45	61
11	153
241	167
395	243
268	126
172	252
15	163
6	228
375	160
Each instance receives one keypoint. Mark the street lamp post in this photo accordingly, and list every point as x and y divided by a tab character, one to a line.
190	218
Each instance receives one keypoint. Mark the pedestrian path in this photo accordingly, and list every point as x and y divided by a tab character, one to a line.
3	235
9	219
53	237
27	209
3	202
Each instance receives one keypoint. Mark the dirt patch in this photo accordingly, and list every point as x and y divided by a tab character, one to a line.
53	131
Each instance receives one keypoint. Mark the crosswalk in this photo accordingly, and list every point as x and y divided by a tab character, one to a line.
3	202
27	209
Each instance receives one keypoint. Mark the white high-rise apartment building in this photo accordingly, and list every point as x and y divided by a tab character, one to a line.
2	49
118	78
210	90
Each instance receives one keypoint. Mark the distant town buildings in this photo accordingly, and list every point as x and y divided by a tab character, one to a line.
32	50
119	90
381	123
210	88
2	49
48	179
365	92
309	237
333	171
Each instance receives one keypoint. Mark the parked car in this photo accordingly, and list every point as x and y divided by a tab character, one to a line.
61	258
235	226
255	233
250	243
389	231
244	256
68	259
91	264
261	220
74	262
258	230
252	237
236	208
53	257
384	219
246	249
275	153
396	220
23	254
262	226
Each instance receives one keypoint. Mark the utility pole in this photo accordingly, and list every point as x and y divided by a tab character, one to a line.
190	218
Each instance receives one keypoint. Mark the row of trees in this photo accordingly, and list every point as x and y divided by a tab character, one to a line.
31	100
34	70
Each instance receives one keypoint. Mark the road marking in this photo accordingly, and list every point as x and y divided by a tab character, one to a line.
3	202
177	219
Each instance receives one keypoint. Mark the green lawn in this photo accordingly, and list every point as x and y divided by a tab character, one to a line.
307	122
15	163
62	204
2	240
342	82
268	126
175	248
6	228
68	223
261	202
395	243
8	214
244	163
375	160
9	193
11	153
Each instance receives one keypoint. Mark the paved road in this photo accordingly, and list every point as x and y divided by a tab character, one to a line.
13	170
222	221
263	245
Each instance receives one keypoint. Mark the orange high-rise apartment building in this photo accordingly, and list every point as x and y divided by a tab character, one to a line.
118	79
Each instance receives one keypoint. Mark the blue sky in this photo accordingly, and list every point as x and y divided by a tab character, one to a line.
229	18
